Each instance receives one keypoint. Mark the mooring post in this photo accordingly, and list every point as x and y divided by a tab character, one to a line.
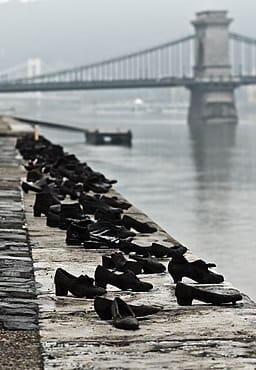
212	98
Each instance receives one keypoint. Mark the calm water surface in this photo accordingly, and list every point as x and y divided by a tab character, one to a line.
199	184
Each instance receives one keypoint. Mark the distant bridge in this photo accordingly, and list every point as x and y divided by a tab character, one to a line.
211	64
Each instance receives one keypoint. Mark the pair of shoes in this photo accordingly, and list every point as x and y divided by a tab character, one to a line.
92	203
123	316
103	308
117	261
155	249
186	293
149	264
179	267
125	281
82	286
141	227
103	228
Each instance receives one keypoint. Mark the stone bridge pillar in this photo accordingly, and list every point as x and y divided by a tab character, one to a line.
209	103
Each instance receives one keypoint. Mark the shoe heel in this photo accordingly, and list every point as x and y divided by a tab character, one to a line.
60	291
37	212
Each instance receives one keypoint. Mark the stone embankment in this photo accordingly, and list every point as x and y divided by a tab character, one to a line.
71	334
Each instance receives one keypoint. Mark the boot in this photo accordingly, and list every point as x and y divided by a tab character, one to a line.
125	281
149	264
43	201
198	271
122	315
103	308
118	261
186	293
53	216
82	286
70	212
141	227
77	232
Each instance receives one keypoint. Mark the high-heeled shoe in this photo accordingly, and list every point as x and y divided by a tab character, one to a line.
123	316
125	281
102	307
82	286
198	271
186	293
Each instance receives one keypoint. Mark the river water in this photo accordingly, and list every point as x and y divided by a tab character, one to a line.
198	184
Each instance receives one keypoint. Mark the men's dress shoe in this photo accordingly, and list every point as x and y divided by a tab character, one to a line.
117	261
155	249
179	267
82	286
106	228
125	281
102	307
93	203
186	293
159	250
149	264
141	227
123	316
115	202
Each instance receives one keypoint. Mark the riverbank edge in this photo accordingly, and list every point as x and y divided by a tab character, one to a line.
38	232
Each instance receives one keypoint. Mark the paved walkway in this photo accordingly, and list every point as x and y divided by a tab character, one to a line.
71	334
19	334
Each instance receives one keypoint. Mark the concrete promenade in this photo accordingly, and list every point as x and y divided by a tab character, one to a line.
71	334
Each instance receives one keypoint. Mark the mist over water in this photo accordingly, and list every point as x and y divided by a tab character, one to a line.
198	184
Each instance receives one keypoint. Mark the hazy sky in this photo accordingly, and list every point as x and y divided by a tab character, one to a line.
75	32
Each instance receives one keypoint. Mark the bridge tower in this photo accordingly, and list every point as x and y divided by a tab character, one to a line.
209	102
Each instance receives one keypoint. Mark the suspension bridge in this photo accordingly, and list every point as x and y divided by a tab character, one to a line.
211	63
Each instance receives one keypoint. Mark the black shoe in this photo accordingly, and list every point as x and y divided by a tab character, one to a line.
30	186
82	286
159	250
91	204
141	227
185	295
53	217
115	202
103	228
125	281
149	264
123	316
198	271
69	212
43	201
77	232
102	307
117	261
